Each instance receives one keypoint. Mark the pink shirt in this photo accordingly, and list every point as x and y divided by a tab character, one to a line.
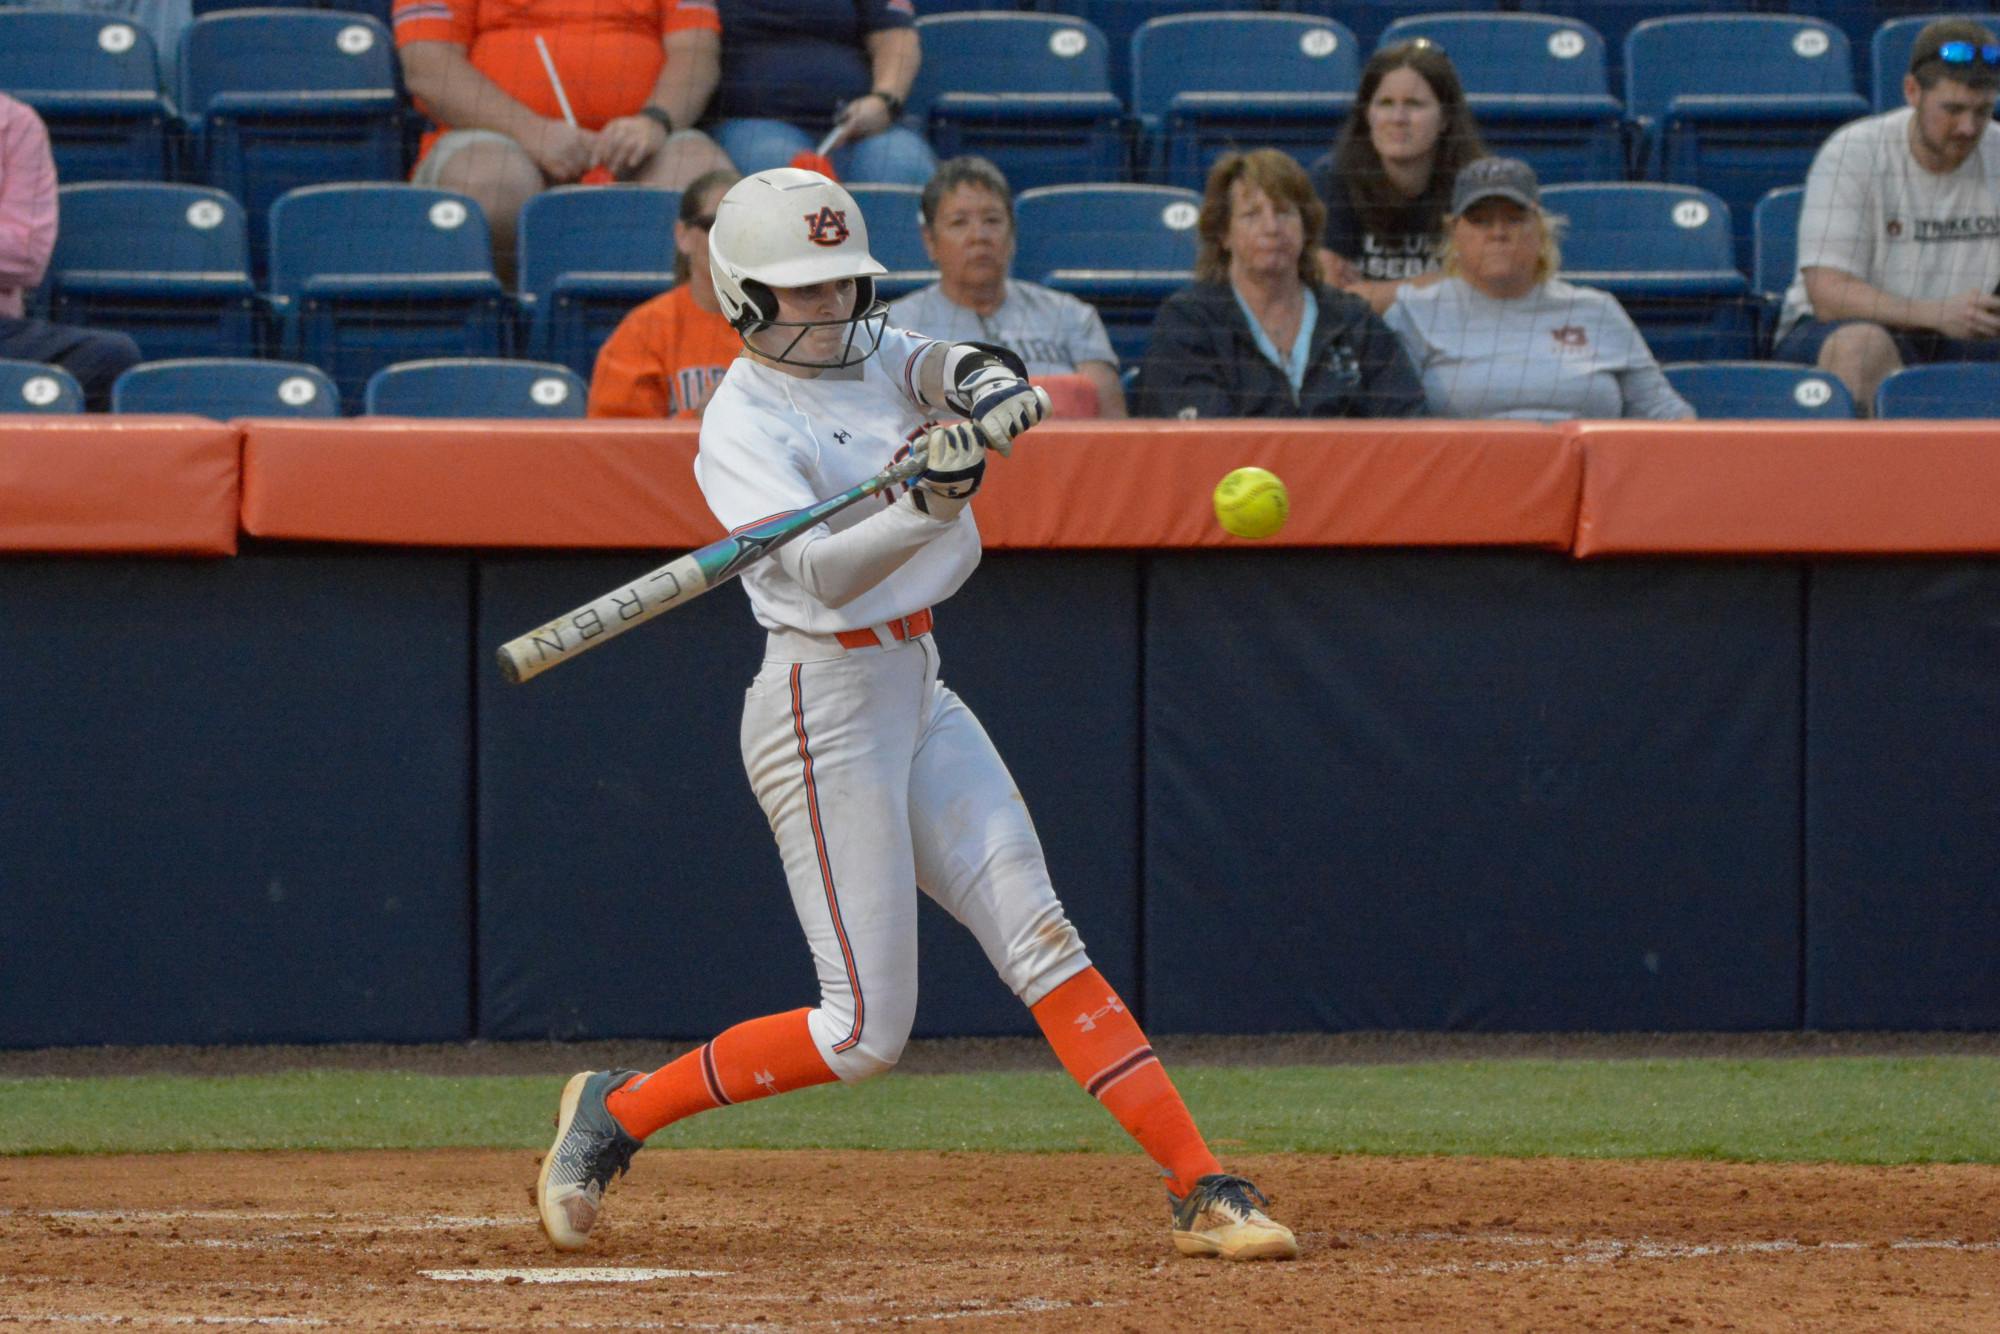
27	203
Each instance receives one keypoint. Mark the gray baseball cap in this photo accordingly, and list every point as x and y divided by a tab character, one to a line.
1495	178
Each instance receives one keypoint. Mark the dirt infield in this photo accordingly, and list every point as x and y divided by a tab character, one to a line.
812	1241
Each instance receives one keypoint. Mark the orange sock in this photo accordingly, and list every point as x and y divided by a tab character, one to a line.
774	1054
1101	1046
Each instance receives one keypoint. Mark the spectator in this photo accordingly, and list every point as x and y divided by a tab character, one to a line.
637	76
666	357
27	239
1502	336
793	69
1389	177
1257	334
161	20
1899	237
968	214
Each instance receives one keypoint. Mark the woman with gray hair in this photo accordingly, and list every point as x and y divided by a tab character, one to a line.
1503	336
968	229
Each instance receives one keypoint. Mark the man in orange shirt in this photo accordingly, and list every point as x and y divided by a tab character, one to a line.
667	356
637	75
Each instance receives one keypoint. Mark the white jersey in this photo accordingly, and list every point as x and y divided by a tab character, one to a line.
772	443
1871	211
1051	331
1559	353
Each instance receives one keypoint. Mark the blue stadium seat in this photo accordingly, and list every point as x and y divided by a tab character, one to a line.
1122	248
1737	103
1945	389
1775	242
277	98
1368	20
1119	19
896	237
167	264
363	276
226	388
1030	91
588	255
201	7
1615	19
1664	251
1760	389
476	387
29	386
95	82
1203	84
1538	87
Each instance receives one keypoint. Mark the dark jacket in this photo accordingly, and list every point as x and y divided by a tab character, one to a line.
1203	362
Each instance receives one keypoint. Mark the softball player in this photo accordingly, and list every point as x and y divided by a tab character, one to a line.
876	778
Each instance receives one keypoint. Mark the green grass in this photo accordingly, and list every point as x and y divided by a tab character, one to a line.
1840	1109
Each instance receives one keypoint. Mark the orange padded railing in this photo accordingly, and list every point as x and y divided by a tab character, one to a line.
170	485
149	485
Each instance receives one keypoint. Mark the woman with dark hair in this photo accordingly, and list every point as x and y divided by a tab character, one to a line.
1257	334
667	356
1387	182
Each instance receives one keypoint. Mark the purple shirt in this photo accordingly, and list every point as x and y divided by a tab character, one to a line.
27	203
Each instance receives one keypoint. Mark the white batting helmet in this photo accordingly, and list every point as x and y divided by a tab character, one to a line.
792	228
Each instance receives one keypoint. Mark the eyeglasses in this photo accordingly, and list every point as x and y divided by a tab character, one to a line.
703	222
1964	53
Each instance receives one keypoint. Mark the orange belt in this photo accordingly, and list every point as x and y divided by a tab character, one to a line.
905	627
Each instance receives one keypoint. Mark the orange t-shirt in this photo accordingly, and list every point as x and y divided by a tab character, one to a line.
607	52
663	360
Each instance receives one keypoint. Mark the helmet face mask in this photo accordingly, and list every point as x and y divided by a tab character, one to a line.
788	228
863	323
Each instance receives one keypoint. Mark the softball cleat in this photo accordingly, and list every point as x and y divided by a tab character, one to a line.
1221	1216
590	1148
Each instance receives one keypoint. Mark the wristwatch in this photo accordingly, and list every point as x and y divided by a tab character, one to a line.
659	117
891	101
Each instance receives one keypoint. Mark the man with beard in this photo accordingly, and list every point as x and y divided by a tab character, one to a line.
1899	238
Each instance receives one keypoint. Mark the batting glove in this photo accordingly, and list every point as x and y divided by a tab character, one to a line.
1003	405
957	465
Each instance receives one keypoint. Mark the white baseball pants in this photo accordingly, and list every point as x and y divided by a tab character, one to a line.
878	781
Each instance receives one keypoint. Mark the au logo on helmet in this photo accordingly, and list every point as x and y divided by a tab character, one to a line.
828	226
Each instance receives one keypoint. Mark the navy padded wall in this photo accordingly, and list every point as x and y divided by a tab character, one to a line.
1044	648
1471	790
234	802
629	885
1902	820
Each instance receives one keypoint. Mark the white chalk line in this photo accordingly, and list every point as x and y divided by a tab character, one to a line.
338	1221
153	1318
1025	1306
579	1274
1609	1250
314	1238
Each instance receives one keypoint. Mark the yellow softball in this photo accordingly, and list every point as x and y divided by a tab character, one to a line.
1251	502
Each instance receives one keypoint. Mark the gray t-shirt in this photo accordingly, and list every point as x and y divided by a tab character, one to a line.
1871	211
1052	331
1558	353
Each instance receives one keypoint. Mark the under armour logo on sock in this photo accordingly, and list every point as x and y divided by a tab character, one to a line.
765	1080
1087	1023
